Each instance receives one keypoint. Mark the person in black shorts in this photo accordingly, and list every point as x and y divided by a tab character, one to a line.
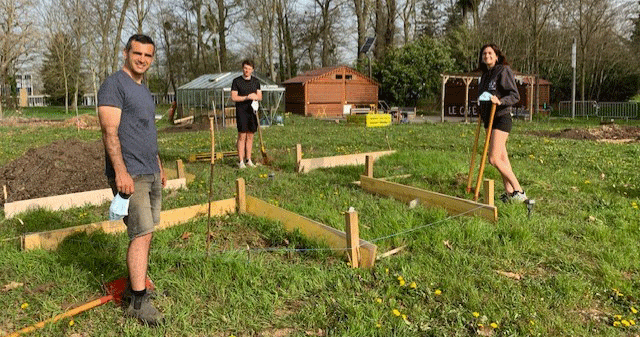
498	79
244	90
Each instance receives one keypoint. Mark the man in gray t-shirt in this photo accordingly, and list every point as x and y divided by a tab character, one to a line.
133	168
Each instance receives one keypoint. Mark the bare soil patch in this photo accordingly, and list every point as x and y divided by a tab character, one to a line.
84	121
611	133
64	166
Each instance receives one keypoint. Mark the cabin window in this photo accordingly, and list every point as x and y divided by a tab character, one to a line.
348	77
338	76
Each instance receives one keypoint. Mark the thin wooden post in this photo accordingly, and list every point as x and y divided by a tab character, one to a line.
353	237
4	193
488	191
298	156
241	197
213	141
180	169
369	166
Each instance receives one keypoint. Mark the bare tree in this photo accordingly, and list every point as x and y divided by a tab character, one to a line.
142	8
16	34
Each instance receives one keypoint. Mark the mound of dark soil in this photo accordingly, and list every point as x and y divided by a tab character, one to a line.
65	166
606	133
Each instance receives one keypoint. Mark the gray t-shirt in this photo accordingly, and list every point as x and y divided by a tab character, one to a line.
137	131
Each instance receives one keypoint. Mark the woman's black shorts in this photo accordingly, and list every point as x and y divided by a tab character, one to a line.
502	123
246	121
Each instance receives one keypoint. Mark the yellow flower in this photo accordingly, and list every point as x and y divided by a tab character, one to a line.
625	322
378	325
480	325
400	278
386	270
404	317
616	323
402	283
71	323
617	317
413	285
633	310
24	305
632	322
587	182
532	156
476	314
532	322
396	312
494	325
378	300
438	292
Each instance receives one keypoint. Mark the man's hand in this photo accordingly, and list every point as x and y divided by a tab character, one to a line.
252	96
124	183
495	100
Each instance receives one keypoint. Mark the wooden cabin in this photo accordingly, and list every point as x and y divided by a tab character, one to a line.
329	92
456	85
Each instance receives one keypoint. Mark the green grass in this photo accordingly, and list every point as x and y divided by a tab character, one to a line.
577	254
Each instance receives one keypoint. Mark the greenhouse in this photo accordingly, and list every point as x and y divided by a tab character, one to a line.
210	96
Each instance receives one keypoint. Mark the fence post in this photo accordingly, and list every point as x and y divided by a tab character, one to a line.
353	237
241	198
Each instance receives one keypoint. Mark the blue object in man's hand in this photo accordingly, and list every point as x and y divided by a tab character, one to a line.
119	207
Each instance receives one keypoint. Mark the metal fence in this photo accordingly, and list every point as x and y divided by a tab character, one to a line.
617	110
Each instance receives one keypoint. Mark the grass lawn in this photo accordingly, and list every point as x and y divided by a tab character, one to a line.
570	270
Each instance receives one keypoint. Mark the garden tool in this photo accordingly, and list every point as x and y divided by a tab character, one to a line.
486	96
114	290
265	158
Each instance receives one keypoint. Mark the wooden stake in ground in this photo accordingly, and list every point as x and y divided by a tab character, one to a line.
4	193
473	154
213	149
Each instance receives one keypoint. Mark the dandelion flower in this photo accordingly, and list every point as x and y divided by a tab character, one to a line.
625	322
532	322
396	312
532	156
494	325
71	323
413	285
386	270
378	300
616	323
480	325
400	278
402	283
617	317
378	325
476	314
632	322
633	310
438	292
24	305
587	182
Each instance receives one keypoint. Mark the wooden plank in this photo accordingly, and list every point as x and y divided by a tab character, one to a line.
307	165
51	239
311	228
180	169
404	193
368	167
298	156
66	201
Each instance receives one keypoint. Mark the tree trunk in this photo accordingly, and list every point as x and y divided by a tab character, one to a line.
116	42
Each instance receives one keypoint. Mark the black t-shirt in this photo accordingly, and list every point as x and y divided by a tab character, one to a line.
244	88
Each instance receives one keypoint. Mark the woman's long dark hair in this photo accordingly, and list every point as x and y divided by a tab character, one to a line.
501	58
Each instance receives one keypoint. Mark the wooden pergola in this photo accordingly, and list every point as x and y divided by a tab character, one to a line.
467	78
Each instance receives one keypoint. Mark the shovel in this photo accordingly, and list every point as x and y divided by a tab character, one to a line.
486	96
265	158
114	290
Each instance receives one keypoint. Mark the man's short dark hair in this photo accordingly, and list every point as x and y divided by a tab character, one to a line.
248	63
144	39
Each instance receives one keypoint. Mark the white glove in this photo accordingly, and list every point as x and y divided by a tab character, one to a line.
255	105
